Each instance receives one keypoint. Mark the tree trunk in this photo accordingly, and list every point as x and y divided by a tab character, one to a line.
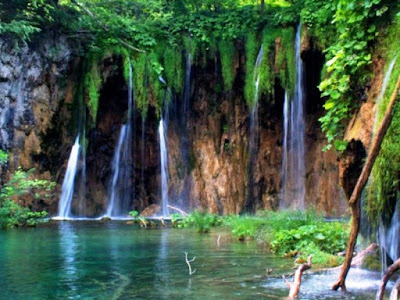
355	202
388	273
394	295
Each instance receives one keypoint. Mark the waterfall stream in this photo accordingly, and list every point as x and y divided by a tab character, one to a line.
164	168
293	167
254	131
387	234
120	191
67	190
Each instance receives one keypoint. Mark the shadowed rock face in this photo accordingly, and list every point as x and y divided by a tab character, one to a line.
212	175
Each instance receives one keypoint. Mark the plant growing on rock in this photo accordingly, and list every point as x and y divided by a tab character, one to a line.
21	184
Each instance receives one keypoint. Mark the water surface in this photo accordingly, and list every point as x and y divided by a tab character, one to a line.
91	260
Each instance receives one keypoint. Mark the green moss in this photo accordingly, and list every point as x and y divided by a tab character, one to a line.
286	60
266	71
227	56
173	69
252	47
140	80
92	83
372	261
385	173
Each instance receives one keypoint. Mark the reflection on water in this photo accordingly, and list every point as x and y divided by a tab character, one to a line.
68	250
89	260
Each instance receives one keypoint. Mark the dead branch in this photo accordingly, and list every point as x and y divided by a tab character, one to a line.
105	28
354	201
188	263
295	285
143	221
163	222
218	239
388	273
394	295
184	214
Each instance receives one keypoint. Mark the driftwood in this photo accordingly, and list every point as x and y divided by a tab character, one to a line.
354	201
388	273
183	214
105	28
295	285
188	263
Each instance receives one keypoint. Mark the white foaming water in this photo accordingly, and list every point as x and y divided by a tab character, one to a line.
164	168
293	168
112	206
67	190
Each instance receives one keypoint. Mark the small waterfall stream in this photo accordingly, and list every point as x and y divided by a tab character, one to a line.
164	168
387	234
254	131
67	190
382	92
293	167
120	191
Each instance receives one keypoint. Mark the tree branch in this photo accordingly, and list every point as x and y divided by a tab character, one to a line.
388	273
295	286
188	263
354	201
105	28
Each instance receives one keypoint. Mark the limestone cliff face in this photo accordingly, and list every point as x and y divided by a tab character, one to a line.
32	86
208	153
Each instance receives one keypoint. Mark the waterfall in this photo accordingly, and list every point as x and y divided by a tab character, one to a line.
67	190
383	90
114	190
388	239
293	168
164	168
387	235
120	191
254	131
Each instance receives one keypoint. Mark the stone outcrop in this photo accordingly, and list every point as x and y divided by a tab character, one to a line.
32	87
212	173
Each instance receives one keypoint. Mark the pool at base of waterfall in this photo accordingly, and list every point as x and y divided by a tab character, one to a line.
114	260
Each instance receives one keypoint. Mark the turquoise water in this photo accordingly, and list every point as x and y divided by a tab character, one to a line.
89	260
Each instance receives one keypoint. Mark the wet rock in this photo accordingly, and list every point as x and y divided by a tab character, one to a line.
151	211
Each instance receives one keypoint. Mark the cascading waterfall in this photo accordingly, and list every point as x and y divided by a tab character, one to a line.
254	130
120	192
293	167
164	168
387	235
67	190
388	238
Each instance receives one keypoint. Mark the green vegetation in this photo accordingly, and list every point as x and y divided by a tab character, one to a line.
227	56
383	188
92	82
347	64
21	184
3	157
288	233
201	221
286	60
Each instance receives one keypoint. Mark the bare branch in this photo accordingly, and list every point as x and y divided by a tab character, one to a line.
295	286
184	214
188	263
388	273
